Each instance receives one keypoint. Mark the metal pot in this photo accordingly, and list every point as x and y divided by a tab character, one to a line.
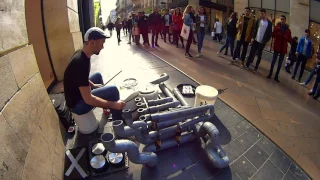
98	149
98	162
116	159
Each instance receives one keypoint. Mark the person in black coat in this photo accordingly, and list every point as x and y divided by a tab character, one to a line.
155	22
130	24
143	26
231	33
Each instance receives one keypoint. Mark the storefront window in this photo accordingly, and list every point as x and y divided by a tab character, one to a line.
315	38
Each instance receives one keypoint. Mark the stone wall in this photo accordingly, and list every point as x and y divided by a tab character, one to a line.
63	32
32	143
299	15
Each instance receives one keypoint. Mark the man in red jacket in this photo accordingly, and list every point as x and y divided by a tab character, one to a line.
282	36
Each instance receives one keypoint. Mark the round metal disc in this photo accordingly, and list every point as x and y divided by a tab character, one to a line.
115	158
97	161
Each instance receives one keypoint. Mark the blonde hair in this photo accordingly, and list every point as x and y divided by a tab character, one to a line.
186	11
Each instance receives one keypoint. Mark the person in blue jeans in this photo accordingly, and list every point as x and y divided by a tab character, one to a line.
316	69
231	33
304	52
82	92
201	22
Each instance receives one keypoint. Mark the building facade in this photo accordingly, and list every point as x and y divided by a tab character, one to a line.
301	15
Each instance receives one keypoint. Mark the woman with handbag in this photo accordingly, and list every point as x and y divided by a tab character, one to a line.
188	23
177	26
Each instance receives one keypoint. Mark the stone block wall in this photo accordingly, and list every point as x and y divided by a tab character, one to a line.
63	32
31	136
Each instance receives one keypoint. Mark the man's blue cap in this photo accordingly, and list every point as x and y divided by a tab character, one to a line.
95	33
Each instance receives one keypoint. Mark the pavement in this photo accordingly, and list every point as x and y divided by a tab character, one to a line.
251	150
284	112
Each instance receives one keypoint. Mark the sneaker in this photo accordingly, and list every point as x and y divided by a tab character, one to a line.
293	77
254	71
311	93
269	76
157	45
153	46
245	67
276	79
218	52
237	59
198	55
302	84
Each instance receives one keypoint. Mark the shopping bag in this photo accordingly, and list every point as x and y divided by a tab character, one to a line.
185	31
212	34
288	61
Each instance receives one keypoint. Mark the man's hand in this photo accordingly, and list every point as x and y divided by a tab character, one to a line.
118	105
252	40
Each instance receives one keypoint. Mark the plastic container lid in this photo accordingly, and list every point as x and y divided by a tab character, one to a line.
206	92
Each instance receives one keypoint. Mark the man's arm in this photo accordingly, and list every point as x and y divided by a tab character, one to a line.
95	101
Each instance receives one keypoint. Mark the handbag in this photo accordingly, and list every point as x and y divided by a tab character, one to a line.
212	34
185	31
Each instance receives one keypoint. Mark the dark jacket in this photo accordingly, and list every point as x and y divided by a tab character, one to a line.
110	26
282	36
267	34
164	19
118	25
130	23
143	24
155	20
301	45
198	22
231	27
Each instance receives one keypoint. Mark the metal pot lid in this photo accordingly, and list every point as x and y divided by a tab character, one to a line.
98	161
98	148
115	158
130	83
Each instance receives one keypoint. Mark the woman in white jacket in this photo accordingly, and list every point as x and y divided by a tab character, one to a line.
217	30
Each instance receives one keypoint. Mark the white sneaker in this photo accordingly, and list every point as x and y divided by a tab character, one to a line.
198	55
302	84
311	90
218	52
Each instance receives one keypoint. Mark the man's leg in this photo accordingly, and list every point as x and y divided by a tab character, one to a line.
130	34
315	87
244	51
310	76
231	45
274	59
153	34
157	34
303	66
297	66
252	54
109	93
260	50
281	57
96	78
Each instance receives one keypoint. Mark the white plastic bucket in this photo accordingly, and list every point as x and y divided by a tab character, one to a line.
87	123
205	95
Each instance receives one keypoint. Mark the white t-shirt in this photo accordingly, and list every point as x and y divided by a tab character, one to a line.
262	29
304	52
167	19
202	19
218	27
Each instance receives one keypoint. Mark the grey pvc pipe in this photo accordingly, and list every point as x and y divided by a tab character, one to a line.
166	91
163	77
169	143
136	124
160	101
158	117
123	131
215	153
179	96
164	124
122	146
163	107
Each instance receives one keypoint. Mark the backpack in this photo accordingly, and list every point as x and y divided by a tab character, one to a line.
64	113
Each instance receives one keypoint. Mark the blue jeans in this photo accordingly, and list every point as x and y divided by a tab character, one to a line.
109	93
315	86
229	41
200	37
274	60
311	75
